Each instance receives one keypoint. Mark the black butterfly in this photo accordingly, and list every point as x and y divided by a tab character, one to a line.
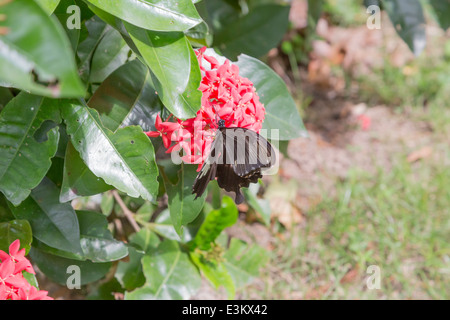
236	158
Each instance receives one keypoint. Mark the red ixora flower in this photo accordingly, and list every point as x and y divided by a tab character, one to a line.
13	285
225	95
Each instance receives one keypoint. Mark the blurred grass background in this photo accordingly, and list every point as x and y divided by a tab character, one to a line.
397	218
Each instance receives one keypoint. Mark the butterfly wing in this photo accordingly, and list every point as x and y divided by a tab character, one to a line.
247	151
206	174
236	159
208	171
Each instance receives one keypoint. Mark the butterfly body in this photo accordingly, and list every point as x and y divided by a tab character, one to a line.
236	158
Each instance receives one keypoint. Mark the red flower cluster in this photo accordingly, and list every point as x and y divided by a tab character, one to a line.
12	283
226	96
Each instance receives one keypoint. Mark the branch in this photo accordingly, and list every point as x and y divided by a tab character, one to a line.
128	214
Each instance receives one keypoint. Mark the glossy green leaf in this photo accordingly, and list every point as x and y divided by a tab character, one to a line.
409	22
66	17
111	53
174	67
169	275
78	180
127	97
35	54
215	222
281	110
52	222
124	159
182	206
28	141
13	230
97	241
48	5
159	15
442	10
60	269
96	29
244	261
252	34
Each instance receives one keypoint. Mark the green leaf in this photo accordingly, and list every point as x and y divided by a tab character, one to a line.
57	268
5	97
182	206
215	271
5	213
78	180
442	10
127	97
281	111
96	29
52	222
409	22
48	5
215	222
13	230
63	16
244	261
169	275
36	54
175	69
28	141
111	52
252	34
130	274
262	206
163	226
97	241
107	203
124	159
158	15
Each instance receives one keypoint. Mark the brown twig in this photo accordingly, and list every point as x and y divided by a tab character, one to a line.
127	212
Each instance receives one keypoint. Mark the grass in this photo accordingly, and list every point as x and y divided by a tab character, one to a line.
398	221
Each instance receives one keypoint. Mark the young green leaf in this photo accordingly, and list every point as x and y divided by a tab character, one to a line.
215	222
243	261
215	271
